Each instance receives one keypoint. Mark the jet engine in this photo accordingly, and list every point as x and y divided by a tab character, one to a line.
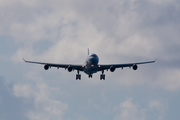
135	67
112	69
69	68
46	67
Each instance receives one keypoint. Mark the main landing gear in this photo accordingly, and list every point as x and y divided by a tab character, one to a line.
102	76
78	76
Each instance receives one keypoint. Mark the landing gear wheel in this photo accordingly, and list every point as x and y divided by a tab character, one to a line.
102	77
78	76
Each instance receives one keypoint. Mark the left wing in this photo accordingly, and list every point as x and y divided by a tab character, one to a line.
70	67
112	67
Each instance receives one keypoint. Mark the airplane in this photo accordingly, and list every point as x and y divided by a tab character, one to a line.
91	66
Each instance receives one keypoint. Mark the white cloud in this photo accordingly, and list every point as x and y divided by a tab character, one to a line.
160	106
161	2
169	79
129	111
67	22
11	107
51	109
23	90
45	106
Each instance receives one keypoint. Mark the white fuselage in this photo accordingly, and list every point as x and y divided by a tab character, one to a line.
91	64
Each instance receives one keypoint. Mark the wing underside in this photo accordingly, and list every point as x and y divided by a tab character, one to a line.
66	66
106	67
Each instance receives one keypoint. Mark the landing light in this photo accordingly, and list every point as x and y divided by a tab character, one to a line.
92	65
99	66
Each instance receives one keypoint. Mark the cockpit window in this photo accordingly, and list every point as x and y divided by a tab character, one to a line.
93	55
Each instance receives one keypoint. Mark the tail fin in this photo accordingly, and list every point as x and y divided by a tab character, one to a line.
88	51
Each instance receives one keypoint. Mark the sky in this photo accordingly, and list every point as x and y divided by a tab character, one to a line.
118	31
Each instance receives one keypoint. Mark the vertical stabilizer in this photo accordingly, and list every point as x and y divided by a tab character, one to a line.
88	51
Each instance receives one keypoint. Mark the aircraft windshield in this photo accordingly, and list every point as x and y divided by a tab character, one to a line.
93	55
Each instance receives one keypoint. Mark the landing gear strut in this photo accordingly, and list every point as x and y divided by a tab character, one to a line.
78	76
102	76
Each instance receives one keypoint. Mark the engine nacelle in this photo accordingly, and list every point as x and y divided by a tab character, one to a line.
46	67
135	67
112	69
69	68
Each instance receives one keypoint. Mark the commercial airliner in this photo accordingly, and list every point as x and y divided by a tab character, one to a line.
91	66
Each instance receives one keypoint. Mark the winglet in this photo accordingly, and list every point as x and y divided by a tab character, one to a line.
155	60
24	59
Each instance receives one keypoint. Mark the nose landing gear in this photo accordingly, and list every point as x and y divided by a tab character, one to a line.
90	76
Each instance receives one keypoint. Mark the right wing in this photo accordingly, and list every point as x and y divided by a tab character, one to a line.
70	67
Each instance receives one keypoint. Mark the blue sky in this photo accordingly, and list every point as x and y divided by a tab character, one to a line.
118	31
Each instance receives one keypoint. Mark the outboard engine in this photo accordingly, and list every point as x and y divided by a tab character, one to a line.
69	68
112	69
46	67
135	67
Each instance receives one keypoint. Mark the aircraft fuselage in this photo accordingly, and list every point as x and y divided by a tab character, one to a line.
91	64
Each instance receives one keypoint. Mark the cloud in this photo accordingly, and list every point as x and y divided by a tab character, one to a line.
45	107
121	27
169	79
10	106
160	106
129	111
